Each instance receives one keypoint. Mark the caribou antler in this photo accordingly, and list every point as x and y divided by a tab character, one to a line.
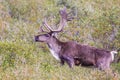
63	19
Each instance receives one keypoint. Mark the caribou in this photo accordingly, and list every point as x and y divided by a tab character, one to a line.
72	52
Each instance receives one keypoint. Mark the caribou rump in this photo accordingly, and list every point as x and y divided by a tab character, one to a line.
71	52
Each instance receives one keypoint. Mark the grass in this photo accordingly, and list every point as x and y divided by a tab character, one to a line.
42	70
23	59
32	63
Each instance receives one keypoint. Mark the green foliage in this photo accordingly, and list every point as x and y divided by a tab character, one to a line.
117	66
96	23
12	53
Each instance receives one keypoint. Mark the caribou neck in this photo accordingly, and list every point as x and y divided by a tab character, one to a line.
54	46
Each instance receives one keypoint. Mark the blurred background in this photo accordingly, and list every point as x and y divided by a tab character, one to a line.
96	23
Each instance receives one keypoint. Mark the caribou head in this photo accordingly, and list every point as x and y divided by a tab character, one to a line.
49	36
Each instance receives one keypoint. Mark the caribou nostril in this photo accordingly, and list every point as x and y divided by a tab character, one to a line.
36	38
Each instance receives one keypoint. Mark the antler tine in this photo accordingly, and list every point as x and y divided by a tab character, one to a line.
42	30
47	26
63	13
63	19
66	15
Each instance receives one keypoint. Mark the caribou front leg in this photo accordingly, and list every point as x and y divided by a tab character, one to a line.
70	61
62	62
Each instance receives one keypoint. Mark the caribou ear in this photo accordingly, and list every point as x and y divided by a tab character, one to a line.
54	35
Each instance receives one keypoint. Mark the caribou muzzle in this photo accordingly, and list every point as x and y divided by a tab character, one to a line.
36	38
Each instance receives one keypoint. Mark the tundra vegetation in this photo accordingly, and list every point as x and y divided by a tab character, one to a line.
96	23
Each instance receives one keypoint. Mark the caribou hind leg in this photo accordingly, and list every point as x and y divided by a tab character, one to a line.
103	65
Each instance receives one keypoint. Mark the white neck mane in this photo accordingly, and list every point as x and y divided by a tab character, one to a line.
54	49
55	55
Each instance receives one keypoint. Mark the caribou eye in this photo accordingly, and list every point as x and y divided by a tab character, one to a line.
47	35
